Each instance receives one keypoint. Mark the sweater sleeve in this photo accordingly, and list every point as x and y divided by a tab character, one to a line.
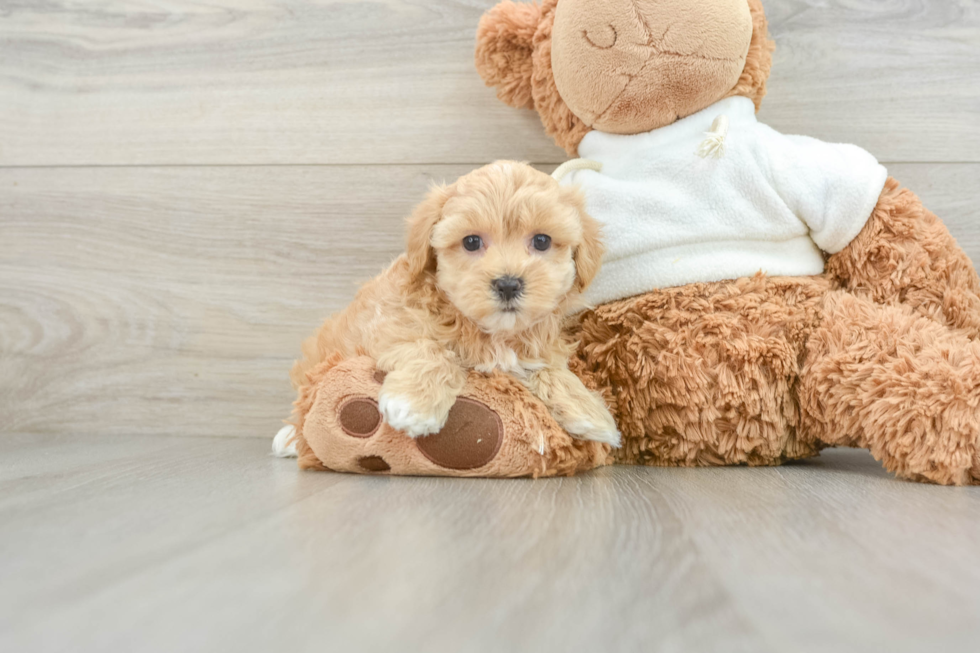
831	187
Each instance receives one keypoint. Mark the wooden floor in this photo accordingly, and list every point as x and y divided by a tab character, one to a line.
188	188
147	543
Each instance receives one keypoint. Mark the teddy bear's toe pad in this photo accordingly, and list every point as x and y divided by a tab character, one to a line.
359	417
373	464
471	437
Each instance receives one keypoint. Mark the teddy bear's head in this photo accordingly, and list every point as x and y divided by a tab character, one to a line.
622	66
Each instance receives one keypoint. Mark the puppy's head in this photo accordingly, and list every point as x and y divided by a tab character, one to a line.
506	244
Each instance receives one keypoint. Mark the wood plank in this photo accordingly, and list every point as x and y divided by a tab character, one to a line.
207	544
173	300
301	557
288	81
833	554
901	79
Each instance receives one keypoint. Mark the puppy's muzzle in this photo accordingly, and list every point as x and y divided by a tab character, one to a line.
508	288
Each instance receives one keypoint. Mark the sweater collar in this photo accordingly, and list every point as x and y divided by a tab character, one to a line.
605	147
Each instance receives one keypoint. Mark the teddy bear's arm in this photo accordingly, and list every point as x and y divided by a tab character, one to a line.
906	254
832	187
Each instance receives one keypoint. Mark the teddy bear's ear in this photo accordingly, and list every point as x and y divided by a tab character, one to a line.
758	61
504	45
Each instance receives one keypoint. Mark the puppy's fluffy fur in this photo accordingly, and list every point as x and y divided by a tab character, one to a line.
435	313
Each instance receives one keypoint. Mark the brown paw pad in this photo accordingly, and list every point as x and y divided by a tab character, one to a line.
471	437
359	417
379	376
373	464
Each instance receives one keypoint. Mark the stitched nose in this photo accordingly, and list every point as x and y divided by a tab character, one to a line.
507	288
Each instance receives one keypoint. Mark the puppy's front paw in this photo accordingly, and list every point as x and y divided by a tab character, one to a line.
404	414
589	419
583	429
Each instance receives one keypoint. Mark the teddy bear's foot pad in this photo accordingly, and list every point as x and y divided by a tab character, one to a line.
494	429
470	439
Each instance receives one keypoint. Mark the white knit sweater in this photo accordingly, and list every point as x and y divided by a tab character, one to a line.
771	202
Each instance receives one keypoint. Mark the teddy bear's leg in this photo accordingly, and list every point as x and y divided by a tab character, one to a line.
905	254
902	385
704	374
495	428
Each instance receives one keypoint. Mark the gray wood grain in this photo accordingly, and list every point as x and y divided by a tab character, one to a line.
292	81
163	250
202	544
173	300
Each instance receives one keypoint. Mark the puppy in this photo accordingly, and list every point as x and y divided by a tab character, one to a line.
493	265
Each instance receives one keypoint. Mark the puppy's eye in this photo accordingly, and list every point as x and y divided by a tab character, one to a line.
472	243
541	242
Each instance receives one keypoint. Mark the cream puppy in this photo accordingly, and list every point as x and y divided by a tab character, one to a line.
494	264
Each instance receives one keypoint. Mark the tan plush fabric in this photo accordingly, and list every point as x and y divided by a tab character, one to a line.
705	374
672	59
505	51
629	66
530	442
902	385
560	123
905	253
758	61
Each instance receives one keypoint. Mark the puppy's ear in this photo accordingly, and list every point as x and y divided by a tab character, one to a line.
418	241
588	254
504	45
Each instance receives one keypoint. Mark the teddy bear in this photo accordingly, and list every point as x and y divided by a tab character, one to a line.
763	296
864	337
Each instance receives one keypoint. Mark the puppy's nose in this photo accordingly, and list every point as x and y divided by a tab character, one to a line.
507	288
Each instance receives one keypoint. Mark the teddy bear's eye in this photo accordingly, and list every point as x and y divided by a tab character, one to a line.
541	242
603	38
472	243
